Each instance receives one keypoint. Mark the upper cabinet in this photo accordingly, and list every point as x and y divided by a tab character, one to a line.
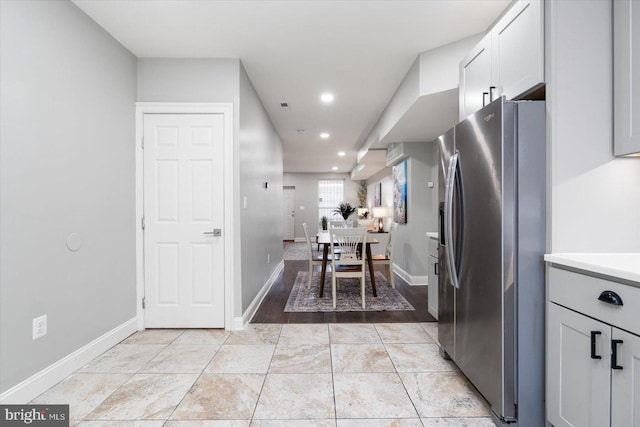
508	61
626	77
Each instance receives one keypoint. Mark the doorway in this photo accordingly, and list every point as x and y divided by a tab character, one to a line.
183	277
289	213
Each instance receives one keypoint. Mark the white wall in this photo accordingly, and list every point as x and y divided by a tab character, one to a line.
306	194
67	166
594	197
260	162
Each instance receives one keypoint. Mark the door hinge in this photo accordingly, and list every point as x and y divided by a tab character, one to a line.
144	302
142	222
142	142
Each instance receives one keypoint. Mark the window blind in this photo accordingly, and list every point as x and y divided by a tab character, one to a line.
330	193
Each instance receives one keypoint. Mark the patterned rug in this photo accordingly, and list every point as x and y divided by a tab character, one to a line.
348	297
298	251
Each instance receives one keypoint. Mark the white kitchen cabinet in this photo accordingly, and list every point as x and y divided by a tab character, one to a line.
508	61
432	275
578	386
626	77
475	78
593	351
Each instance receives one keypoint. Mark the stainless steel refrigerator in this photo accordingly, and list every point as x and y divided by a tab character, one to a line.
492	241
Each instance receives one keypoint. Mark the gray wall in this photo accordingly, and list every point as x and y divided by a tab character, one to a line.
594	197
260	162
422	206
67	166
306	195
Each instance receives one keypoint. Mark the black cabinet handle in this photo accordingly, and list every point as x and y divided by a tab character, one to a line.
435	268
484	102
594	334
610	297
614	354
491	89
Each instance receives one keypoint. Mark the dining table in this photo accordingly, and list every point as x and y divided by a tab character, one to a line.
323	238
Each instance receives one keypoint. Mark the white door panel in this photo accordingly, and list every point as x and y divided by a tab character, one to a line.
183	204
289	213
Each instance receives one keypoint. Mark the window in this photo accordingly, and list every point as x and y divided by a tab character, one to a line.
330	193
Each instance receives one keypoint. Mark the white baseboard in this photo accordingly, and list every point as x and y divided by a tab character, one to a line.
37	384
240	322
411	280
300	240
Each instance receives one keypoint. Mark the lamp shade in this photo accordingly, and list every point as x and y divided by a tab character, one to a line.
379	212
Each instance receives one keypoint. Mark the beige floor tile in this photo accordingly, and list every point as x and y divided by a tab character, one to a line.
208	423
296	396
112	423
293	423
221	397
360	358
203	336
181	359
154	336
304	334
354	334
255	333
418	358
444	394
407	333
371	396
145	397
82	392
241	359
458	422
431	328
301	359
393	422
123	358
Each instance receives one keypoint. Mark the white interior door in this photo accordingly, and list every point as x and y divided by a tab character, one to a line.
183	211
289	213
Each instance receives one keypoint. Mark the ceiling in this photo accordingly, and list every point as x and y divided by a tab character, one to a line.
294	50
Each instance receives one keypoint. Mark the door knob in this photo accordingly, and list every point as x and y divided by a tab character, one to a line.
217	232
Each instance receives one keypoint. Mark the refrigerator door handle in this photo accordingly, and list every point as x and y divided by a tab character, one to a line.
448	228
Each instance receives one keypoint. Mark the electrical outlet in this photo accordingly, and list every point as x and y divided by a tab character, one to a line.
39	327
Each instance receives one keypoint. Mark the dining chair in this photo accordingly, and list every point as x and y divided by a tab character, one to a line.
387	258
337	223
313	259
351	262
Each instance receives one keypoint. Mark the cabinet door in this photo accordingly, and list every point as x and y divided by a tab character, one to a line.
626	77
578	389
625	382
432	292
518	49
475	78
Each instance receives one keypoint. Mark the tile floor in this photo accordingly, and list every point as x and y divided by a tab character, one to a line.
339	375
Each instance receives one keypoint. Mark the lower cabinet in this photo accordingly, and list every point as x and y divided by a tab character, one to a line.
593	367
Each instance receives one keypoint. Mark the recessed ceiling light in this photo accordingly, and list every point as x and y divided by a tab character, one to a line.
327	97
341	153
335	168
300	131
324	135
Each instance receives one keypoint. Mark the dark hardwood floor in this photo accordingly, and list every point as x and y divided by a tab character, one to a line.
272	308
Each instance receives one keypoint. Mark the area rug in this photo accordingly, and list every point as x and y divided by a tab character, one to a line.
298	251
348	296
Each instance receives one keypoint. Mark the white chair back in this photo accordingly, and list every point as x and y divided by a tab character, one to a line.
392	239
352	244
337	224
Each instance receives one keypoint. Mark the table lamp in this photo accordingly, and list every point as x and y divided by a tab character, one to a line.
380	213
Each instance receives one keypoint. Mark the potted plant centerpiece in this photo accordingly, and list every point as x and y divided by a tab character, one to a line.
345	210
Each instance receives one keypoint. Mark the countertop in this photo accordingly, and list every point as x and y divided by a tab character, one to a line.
432	234
621	265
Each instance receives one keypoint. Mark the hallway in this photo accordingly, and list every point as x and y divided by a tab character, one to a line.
273	375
